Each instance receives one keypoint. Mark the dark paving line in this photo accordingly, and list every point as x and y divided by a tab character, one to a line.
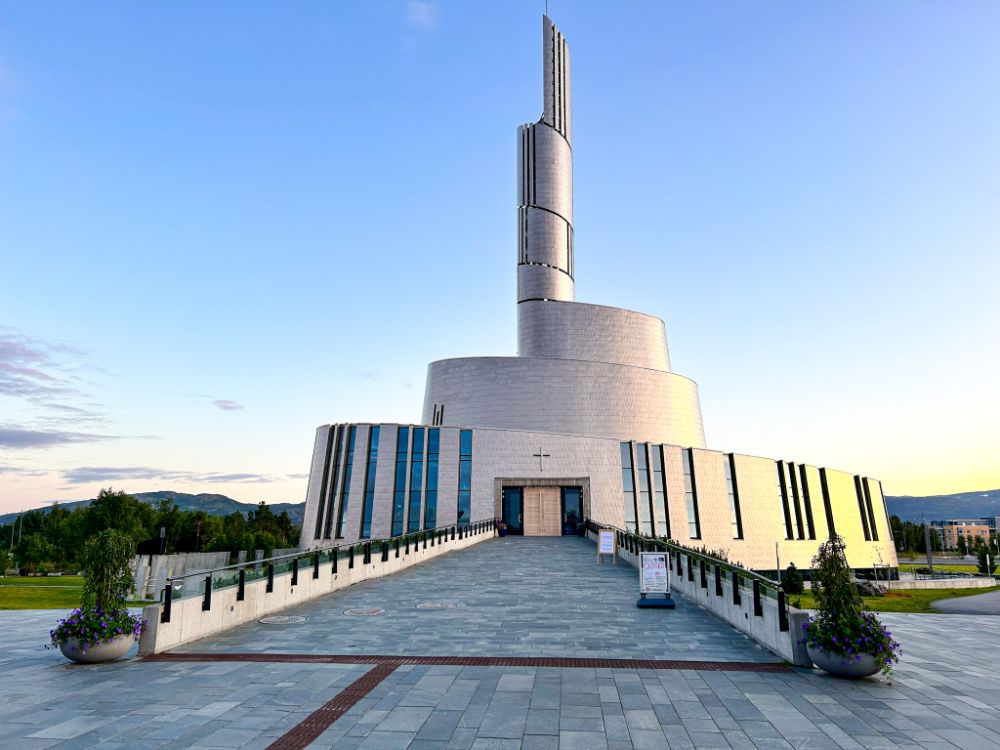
477	661
320	720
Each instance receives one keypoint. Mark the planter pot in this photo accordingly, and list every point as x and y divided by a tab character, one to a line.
106	651
843	666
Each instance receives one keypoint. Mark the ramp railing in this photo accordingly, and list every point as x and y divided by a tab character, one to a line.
203	602
751	602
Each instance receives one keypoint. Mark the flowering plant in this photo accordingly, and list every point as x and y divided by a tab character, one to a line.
93	626
842	625
102	616
852	637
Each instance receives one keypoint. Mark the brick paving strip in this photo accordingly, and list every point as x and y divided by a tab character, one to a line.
322	718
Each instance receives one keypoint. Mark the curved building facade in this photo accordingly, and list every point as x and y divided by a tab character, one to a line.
587	421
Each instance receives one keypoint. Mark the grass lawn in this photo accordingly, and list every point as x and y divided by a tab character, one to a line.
61	592
938	567
912	600
33	581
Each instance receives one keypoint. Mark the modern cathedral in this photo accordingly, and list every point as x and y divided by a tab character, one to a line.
588	421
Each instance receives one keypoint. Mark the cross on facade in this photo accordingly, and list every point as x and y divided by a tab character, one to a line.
540	456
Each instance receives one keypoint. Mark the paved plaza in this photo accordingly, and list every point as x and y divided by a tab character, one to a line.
515	598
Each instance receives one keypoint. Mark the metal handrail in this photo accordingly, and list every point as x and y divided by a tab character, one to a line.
732	567
435	535
757	580
320	550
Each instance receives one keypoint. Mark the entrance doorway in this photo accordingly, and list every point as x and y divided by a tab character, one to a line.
541	511
512	509
542	516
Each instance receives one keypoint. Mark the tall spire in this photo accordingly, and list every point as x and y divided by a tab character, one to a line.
556	89
545	183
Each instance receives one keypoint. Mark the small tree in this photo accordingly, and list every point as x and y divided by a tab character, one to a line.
842	625
833	587
103	616
791	580
109	580
986	568
963	547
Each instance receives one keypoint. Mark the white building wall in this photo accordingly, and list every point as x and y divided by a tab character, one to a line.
594	333
594	399
307	535
595	463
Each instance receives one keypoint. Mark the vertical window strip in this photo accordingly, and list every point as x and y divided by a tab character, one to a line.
416	480
660	502
321	504
831	527
430	499
861	507
336	481
464	477
628	487
399	481
691	494
735	517
807	501
645	495
345	488
783	497
794	485
885	509
368	498
871	512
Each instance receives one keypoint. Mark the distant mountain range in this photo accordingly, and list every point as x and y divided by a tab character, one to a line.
213	505
983	504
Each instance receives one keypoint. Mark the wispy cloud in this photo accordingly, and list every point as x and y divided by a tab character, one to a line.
421	14
41	373
21	472
97	474
23	438
222	403
370	375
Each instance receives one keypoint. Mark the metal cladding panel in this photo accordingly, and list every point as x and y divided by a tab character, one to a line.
447	510
384	476
673	475
556	89
307	535
574	330
713	499
552	172
596	399
543	283
352	519
546	238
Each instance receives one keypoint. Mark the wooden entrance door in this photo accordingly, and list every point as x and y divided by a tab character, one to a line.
542	511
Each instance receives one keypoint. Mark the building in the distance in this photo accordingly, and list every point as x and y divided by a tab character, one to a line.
969	529
587	421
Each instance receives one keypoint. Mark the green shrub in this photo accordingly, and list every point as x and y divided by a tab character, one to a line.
791	580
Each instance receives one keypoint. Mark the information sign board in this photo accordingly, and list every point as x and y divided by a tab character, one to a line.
654	576
606	542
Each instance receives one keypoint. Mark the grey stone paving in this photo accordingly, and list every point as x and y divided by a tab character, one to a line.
978	604
517	596
945	694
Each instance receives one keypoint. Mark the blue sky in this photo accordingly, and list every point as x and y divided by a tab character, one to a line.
222	225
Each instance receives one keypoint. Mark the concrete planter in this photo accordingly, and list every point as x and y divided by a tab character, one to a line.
843	666
105	651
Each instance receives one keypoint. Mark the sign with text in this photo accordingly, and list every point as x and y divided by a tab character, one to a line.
654	576
606	542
